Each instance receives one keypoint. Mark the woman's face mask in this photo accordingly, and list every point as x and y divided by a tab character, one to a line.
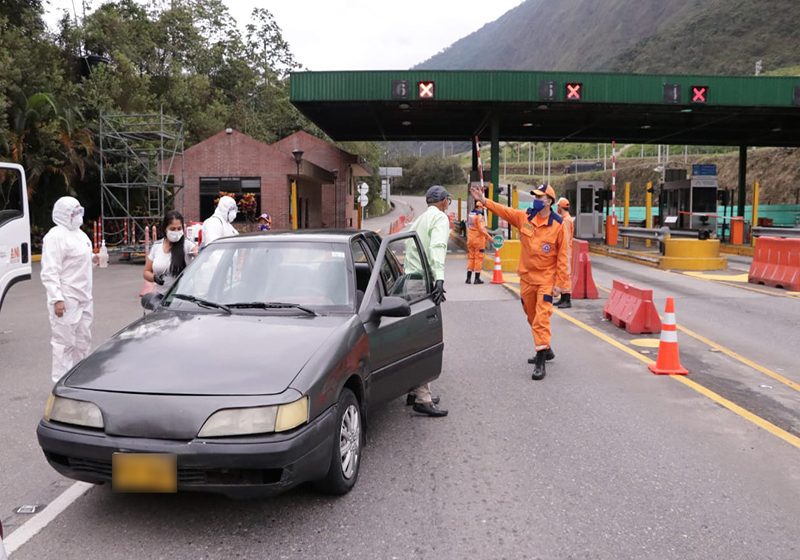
174	236
76	218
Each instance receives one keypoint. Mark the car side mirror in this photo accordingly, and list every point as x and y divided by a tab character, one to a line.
151	301
392	306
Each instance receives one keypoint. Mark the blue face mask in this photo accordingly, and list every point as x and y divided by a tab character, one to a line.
538	205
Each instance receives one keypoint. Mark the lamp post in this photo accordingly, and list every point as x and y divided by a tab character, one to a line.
298	158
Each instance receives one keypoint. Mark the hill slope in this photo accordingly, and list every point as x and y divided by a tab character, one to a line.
683	36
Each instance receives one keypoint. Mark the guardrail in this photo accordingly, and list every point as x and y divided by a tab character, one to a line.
656	234
760	231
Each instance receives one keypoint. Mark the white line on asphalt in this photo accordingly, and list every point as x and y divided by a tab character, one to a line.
31	528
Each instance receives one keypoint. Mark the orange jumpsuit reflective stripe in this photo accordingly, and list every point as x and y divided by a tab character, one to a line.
542	265
476	241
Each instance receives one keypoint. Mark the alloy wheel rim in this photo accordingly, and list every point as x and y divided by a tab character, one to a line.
350	441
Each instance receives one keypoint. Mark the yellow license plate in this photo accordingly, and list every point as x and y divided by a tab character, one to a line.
144	472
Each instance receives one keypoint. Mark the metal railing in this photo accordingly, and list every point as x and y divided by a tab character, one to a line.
760	231
657	234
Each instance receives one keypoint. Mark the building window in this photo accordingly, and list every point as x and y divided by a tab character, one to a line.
210	187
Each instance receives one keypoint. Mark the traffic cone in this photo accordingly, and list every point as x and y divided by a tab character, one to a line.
497	278
669	359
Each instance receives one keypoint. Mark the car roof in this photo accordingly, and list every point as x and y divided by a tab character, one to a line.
306	235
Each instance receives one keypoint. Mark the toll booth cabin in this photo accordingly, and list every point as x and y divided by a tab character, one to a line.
684	201
583	196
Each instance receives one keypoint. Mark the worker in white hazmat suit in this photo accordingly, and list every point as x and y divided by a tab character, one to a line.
219	224
67	278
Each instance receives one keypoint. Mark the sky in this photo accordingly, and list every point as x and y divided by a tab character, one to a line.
358	34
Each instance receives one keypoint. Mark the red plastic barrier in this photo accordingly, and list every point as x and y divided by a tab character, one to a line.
776	263
583	286
632	309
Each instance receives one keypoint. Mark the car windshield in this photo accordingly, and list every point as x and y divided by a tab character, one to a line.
296	276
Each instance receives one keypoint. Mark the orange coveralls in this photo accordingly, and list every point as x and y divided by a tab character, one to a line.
476	241
542	265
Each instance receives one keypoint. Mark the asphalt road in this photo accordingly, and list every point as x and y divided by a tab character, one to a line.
601	460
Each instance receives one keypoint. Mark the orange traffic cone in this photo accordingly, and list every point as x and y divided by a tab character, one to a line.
497	278
669	359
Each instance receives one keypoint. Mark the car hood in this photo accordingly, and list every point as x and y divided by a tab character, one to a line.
182	353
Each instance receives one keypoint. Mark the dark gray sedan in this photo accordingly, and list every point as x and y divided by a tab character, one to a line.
257	370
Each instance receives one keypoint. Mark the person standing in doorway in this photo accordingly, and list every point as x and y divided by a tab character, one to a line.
477	236
433	229
562	207
67	279
542	264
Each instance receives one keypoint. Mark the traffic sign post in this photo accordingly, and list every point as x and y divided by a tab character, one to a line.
498	242
363	200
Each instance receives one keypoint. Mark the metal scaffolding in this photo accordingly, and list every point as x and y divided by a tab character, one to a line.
138	179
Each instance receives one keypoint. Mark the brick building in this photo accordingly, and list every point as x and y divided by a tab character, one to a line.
234	162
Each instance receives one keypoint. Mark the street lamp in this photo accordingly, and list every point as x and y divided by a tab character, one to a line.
298	157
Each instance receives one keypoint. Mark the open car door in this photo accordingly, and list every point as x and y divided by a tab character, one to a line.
15	228
405	351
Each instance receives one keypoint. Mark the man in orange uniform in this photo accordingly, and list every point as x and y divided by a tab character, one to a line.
569	232
542	263
476	243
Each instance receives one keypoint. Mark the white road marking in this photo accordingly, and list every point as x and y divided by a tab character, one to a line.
31	528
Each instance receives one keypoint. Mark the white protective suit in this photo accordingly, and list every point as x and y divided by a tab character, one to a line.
219	224
67	276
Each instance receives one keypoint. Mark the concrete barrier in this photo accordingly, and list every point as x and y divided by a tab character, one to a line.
776	263
632	308
583	286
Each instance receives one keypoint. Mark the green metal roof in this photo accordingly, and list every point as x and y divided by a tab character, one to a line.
754	111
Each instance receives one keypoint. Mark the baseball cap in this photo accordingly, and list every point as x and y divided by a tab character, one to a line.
548	190
437	193
563	202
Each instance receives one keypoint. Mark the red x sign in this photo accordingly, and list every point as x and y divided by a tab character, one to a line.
426	90
699	94
574	91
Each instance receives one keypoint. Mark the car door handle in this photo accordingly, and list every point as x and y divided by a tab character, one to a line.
432	316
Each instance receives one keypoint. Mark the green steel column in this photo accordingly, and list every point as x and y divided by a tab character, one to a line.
495	164
742	197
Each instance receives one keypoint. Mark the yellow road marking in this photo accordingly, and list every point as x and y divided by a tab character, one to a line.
745	361
645	342
721	277
719	399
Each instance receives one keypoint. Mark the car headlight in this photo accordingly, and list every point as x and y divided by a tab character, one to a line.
71	411
256	420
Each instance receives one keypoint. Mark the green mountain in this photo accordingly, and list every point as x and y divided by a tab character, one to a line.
658	36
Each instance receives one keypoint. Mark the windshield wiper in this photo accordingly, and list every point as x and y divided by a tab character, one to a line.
204	302
272	305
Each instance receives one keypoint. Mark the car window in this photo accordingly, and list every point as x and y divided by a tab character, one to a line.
404	272
309	274
362	265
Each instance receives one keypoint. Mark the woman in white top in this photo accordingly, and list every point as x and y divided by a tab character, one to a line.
169	256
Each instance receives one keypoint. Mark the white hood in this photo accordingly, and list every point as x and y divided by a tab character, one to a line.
63	210
226	204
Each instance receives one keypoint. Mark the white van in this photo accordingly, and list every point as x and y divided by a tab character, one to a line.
15	228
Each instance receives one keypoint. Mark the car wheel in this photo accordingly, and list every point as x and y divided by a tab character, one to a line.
347	443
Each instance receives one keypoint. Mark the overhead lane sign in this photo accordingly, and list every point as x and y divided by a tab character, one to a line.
426	90
699	94
574	91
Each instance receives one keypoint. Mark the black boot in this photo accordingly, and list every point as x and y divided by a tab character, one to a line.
549	356
538	368
478	278
565	302
469	277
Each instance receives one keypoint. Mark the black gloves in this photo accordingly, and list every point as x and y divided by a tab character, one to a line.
438	292
158	279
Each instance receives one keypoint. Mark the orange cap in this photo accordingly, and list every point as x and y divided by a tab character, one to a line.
548	190
563	203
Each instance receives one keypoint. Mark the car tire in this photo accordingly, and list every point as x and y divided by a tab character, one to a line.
348	439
